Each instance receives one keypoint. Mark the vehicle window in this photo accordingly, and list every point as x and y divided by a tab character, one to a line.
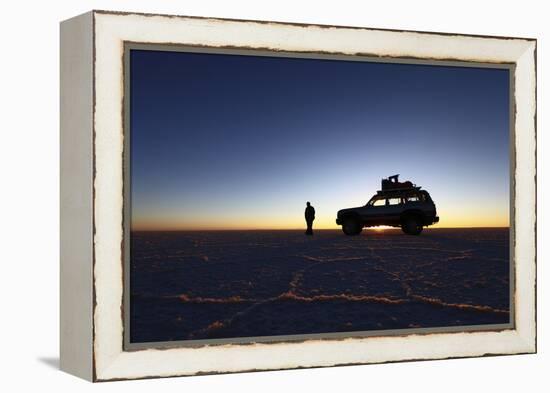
394	201
379	202
416	198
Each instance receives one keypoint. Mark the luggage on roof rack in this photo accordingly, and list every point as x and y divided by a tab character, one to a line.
392	183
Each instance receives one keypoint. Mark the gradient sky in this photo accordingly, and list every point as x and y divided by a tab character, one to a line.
242	142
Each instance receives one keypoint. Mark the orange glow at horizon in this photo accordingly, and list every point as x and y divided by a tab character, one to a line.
462	211
449	219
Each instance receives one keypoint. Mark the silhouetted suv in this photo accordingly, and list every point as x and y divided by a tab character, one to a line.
397	204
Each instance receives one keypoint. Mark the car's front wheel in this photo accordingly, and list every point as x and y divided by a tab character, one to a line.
412	225
351	226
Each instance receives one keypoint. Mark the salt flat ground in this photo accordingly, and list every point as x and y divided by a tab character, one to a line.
224	284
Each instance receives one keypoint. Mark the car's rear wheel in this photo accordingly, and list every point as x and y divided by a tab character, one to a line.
412	225
351	226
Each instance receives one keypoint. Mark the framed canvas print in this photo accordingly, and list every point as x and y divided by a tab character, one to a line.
245	195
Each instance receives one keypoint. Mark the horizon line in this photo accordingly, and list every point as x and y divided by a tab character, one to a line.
299	229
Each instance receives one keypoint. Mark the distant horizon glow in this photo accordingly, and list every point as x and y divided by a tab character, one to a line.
175	224
233	142
366	229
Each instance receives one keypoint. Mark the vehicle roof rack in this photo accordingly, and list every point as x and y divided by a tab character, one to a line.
398	190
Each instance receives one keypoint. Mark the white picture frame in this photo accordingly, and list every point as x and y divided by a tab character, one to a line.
92	194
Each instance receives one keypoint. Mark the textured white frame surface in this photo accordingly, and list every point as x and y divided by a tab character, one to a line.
111	30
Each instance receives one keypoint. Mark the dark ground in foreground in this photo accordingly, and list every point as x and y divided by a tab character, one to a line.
225	284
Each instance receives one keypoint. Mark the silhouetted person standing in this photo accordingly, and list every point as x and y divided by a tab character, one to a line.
310	216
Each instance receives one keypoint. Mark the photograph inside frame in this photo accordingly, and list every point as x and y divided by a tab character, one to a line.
271	197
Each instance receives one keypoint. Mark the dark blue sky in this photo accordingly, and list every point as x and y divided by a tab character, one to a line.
229	141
